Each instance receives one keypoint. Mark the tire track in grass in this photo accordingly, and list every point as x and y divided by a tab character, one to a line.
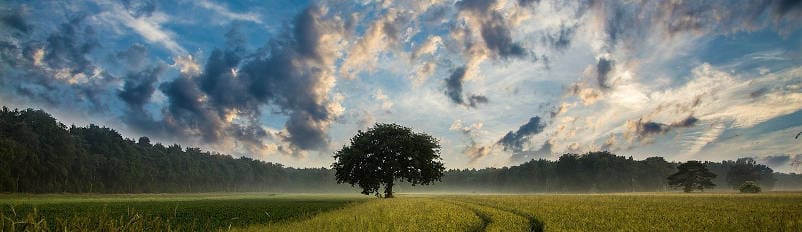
496	219
535	225
486	219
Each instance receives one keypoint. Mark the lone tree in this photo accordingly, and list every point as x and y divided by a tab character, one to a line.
692	175
386	153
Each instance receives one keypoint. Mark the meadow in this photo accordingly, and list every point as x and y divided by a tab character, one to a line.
773	211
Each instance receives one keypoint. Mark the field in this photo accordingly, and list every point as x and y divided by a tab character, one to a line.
411	212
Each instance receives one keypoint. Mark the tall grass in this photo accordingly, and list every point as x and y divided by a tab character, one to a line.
549	212
397	214
656	212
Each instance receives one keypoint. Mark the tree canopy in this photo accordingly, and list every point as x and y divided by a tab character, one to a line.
692	175
747	169
386	153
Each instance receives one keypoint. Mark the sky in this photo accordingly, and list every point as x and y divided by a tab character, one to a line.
497	82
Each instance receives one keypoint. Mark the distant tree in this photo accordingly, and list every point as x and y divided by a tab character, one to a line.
749	187
385	153
747	169
692	175
144	141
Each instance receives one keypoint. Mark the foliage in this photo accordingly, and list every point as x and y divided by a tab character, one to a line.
41	155
385	153
749	187
589	172
747	169
692	175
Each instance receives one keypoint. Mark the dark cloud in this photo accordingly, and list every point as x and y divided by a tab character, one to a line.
454	85
54	71
186	113
475	100
494	29
15	19
514	141
68	48
687	122
783	7
647	128
306	33
286	75
602	70
498	39
140	86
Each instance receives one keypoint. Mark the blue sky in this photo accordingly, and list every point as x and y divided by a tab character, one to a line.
498	82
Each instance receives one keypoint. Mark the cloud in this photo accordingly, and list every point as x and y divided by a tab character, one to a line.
139	87
514	141
561	38
474	151
228	14
133	57
422	73
146	25
380	35
454	85
475	100
428	47
222	103
493	28
603	69
187	65
140	7
14	18
498	39
386	104
776	160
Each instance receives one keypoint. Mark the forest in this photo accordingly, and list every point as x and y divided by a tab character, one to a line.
38	154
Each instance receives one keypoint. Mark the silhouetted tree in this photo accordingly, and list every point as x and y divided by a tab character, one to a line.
692	175
385	153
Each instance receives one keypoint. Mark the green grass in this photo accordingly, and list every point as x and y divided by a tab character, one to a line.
549	212
185	212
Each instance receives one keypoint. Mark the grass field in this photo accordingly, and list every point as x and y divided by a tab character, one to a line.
413	212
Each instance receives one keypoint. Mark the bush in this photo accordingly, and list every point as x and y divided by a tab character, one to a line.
749	187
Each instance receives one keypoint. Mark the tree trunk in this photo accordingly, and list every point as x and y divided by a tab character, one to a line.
388	190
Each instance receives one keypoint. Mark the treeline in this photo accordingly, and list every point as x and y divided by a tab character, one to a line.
604	172
40	155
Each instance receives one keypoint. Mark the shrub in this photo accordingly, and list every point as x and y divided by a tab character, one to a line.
749	187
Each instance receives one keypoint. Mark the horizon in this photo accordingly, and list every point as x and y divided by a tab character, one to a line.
498	82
